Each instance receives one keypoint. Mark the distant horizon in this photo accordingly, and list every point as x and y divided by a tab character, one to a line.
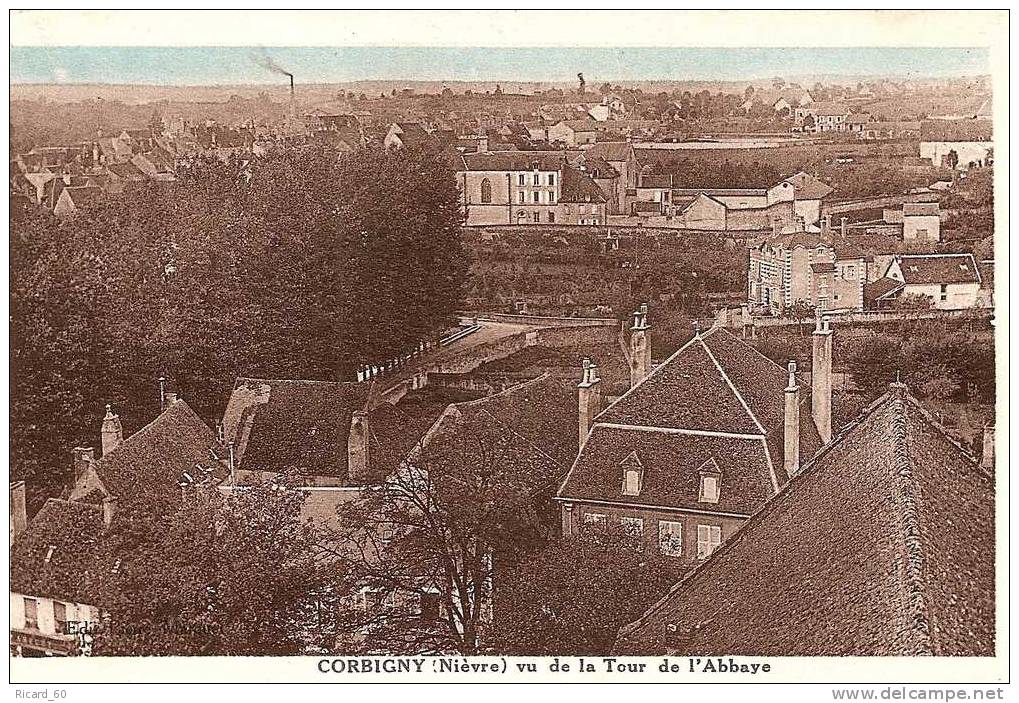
257	66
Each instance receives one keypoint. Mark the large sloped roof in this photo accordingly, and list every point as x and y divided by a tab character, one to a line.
523	433
717	397
611	151
882	545
55	557
671	462
923	269
279	425
148	465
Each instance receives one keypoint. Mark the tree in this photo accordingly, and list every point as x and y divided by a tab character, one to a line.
302	264
572	597
800	311
435	533
228	574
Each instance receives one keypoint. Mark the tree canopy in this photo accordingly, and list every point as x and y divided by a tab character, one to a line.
299	264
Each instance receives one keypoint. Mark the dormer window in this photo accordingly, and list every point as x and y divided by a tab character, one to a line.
711	478
633	475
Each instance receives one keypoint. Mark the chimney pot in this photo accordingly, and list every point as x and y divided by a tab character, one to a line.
112	432
791	430
19	511
109	509
821	378
82	459
357	449
987	456
588	400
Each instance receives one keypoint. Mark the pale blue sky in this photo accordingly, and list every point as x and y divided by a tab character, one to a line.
238	65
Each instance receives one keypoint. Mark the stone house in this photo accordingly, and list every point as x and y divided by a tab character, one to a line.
696	445
950	281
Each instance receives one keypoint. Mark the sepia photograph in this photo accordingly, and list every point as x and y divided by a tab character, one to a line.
633	348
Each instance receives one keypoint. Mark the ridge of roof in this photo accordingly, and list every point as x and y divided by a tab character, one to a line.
910	525
732	386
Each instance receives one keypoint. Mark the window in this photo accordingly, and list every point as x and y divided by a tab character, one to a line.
551	179
551	218
670	538
551	197
632	525
486	191
594	518
944	292
708	539
520	197
31	614
537	216
429	608
709	489
631	482
520	180
536	196
536	179
60	617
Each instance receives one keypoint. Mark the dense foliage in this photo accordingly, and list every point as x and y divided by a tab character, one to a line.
228	575
572	597
297	265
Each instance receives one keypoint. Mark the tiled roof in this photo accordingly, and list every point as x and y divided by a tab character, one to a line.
922	269
578	187
514	161
523	433
580	125
597	167
611	151
671	462
148	465
279	425
882	546
83	195
915	209
823	267
715	392
809	188
826	109
872	292
73	530
956	131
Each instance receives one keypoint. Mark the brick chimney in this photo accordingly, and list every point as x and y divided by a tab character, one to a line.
19	511
820	377
987	457
83	458
109	509
640	346
357	449
791	453
589	399
112	433
844	227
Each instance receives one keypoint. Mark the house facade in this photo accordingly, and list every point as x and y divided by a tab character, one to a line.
528	188
958	144
950	281
695	446
803	267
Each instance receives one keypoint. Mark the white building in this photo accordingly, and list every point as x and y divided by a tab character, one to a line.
951	281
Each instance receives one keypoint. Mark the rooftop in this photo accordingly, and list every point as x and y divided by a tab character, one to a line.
882	546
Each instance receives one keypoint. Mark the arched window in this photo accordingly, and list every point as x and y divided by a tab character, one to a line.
486	191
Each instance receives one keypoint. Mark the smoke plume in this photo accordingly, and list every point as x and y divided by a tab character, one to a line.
262	58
